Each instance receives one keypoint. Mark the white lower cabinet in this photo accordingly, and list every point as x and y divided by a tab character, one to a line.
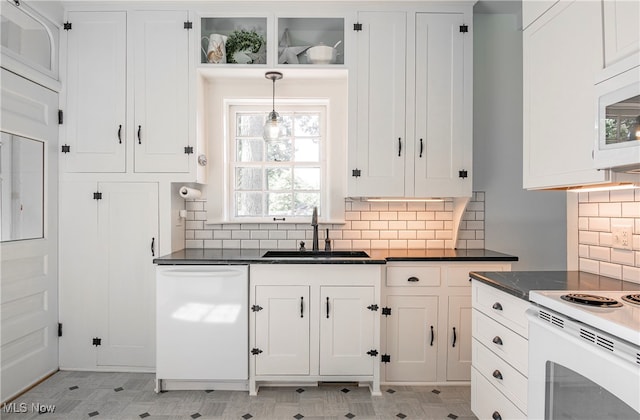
108	238
427	326
500	351
313	323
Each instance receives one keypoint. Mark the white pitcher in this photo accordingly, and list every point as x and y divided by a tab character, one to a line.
216	51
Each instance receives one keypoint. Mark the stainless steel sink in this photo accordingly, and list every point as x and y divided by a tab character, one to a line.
315	254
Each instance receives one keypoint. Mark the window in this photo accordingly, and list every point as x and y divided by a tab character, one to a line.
276	181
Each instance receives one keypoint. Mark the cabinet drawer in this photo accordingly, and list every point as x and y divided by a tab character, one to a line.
504	308
489	403
502	375
458	275
508	345
415	276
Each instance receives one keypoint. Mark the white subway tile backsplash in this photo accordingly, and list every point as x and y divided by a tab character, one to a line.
610	209
588	209
376	225
631	209
599	197
621	195
590	266
600	253
611	270
622	256
631	274
589	238
599	224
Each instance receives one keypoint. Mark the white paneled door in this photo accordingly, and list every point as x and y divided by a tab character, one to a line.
29	268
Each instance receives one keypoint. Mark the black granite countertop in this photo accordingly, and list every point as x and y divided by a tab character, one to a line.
254	256
520	283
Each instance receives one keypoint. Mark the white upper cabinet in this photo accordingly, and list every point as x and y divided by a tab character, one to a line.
562	53
413	123
105	123
96	83
621	33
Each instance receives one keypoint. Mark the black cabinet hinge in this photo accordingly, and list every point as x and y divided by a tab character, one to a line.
59	329
66	148
97	196
188	150
357	26
356	172
463	173
256	308
385	358
373	307
372	353
60	117
188	25
256	351
96	341
67	26
464	29
386	311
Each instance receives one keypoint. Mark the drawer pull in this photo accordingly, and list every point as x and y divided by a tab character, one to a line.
497	340
497	374
431	344
413	279
327	307
496	416
301	306
497	306
455	337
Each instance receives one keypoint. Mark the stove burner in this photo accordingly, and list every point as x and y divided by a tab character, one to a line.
633	299
591	300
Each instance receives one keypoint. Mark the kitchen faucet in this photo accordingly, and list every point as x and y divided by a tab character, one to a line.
314	223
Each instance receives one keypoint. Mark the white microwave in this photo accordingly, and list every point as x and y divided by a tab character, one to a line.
618	122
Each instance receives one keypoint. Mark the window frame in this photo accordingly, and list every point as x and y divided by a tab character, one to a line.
320	106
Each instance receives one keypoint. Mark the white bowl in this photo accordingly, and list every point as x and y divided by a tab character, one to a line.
321	54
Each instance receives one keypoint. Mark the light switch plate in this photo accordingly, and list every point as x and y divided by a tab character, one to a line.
622	237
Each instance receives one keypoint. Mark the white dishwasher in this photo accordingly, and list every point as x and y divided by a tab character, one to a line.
202	324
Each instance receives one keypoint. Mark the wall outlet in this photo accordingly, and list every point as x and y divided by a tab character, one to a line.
622	237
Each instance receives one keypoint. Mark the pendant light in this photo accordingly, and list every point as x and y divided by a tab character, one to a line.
274	127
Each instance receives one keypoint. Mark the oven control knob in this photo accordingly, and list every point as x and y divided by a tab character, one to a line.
496	416
497	306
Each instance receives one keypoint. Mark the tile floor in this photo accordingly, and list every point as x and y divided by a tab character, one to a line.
83	395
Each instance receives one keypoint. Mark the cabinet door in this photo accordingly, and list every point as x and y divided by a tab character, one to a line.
127	239
282	330
562	53
96	92
380	79
621	34
346	330
412	338
459	344
443	110
161	123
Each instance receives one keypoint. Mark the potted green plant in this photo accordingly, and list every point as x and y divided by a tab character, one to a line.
244	47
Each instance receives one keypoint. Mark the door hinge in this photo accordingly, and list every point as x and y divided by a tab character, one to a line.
256	351
372	353
373	307
97	196
356	172
67	26
188	25
386	311
60	117
464	28
188	150
385	358
357	26
463	173
66	148
59	329
96	341
256	308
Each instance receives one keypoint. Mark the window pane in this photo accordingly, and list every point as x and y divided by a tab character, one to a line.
306	179
280	151
249	179
249	150
307	150
611	128
305	202
248	204
278	179
279	204
307	125
625	127
250	125
287	122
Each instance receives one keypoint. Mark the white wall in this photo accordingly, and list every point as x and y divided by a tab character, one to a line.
529	224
